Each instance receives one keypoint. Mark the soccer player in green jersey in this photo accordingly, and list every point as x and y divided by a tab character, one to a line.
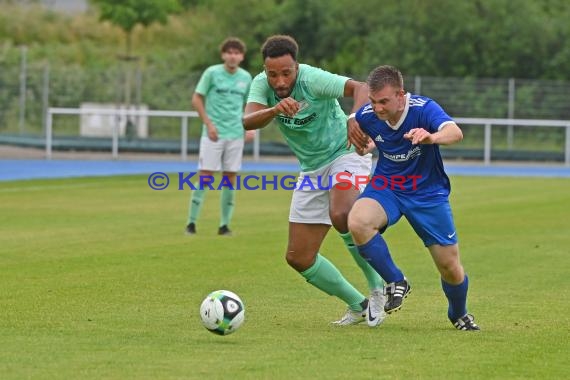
303	101
219	99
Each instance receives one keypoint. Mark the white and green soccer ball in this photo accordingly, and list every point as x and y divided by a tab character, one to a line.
222	312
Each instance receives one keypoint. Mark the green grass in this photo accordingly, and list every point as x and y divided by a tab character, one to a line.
97	281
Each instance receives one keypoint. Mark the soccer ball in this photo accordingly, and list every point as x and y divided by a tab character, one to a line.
222	312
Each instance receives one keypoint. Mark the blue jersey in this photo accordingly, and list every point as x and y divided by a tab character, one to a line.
416	170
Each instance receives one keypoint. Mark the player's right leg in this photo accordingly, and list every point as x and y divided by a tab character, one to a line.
349	175
303	256
197	200
367	219
209	161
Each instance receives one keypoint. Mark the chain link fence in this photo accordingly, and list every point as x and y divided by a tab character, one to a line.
28	90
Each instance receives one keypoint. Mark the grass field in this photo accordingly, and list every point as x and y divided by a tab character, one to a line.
98	281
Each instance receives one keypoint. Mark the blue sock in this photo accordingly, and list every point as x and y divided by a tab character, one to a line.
377	254
457	298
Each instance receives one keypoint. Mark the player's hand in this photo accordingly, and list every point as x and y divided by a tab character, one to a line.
419	136
369	148
356	136
212	132
288	107
249	136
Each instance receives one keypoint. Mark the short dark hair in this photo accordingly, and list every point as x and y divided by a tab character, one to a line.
278	46
385	76
232	43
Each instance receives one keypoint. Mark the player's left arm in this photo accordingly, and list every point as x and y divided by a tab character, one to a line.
359	92
439	127
449	133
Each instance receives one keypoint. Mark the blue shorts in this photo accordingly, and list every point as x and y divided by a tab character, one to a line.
431	219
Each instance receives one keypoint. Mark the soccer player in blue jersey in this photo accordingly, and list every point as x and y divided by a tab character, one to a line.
409	180
302	100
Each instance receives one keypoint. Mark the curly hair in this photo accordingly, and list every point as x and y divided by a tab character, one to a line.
278	46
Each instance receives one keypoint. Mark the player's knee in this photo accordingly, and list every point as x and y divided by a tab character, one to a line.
451	270
339	220
231	177
359	223
299	261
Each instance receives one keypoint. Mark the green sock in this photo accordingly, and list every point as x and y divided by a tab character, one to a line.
325	276
373	278
227	201
196	201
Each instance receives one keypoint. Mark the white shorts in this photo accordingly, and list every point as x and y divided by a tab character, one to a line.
221	155
310	204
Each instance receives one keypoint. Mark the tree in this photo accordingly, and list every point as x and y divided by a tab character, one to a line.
127	14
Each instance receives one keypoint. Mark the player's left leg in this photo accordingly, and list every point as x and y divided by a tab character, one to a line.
227	203
454	283
433	222
231	164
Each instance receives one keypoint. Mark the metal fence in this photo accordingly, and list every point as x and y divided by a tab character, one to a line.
184	116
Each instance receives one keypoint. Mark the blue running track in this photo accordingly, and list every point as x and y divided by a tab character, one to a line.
35	169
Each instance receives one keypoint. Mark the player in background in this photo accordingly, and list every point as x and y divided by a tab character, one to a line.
407	130
219	100
303	101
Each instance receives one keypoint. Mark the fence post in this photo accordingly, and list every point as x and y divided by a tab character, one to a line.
45	97
48	134
256	144
567	150
511	113
23	75
119	88
417	84
115	138
184	143
138	85
487	148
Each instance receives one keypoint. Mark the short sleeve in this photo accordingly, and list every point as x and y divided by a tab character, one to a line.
360	115
324	84
248	89
435	116
258	90
204	83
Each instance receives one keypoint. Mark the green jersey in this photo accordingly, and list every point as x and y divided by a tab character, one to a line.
317	133
225	95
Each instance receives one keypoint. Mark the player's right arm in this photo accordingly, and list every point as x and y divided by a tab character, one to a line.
258	112
199	102
258	115
199	105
